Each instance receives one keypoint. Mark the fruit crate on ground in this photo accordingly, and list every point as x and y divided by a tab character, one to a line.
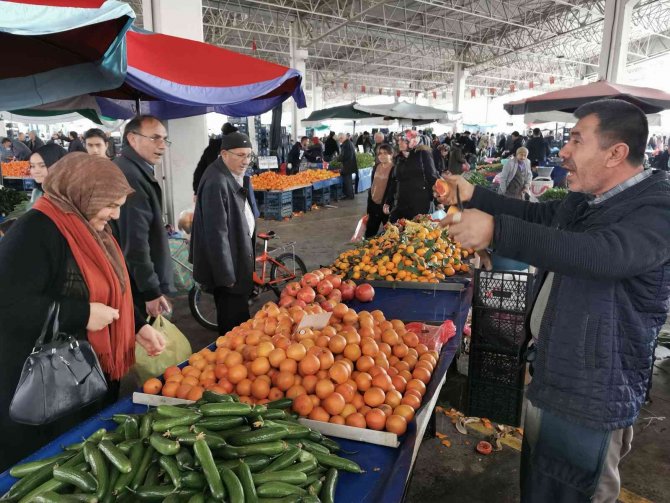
278	198
272	212
336	192
321	196
497	402
302	199
502	331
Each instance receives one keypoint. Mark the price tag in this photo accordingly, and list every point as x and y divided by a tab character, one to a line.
315	321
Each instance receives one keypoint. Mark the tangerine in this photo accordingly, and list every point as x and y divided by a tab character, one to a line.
152	386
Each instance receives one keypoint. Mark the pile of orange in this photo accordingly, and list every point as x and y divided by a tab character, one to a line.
19	169
361	370
274	181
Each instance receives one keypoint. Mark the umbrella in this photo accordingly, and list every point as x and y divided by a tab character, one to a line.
566	117
61	49
350	111
568	100
406	111
172	77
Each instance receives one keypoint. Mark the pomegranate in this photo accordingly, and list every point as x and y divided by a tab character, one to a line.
328	305
335	280
292	288
310	279
298	303
335	296
286	300
319	298
324	287
364	292
306	294
348	291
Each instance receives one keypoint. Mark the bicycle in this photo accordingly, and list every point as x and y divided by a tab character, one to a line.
286	267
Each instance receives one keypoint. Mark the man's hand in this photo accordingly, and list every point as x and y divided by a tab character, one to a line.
386	209
471	228
158	306
465	188
151	340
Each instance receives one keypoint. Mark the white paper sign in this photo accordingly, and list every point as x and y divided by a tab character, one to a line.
316	321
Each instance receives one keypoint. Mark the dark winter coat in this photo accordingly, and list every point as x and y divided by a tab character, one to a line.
441	163
411	184
661	161
294	157
33	145
348	158
209	155
222	253
76	146
141	230
456	160
331	149
608	299
538	150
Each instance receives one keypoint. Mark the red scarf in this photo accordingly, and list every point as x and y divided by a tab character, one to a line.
114	344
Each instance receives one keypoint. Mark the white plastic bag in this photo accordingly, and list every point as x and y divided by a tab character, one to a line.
359	233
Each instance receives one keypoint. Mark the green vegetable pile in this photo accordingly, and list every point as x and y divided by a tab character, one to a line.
217	449
554	194
477	178
9	199
363	160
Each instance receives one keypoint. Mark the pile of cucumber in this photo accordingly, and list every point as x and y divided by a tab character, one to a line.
216	449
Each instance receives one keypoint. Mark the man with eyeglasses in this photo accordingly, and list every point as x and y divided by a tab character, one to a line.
222	238
140	229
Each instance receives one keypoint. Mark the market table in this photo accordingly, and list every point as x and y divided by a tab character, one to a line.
387	470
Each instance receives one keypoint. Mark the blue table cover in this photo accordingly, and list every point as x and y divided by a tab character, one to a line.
364	179
386	469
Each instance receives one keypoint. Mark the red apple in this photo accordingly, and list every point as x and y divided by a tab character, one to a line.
364	292
324	287
335	296
335	280
310	279
328	305
306	294
348	291
292	288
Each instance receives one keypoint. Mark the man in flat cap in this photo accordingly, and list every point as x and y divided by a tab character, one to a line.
222	240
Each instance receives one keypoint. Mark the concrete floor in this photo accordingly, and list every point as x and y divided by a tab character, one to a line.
458	472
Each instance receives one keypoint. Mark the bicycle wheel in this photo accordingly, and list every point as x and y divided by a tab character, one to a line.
294	264
203	308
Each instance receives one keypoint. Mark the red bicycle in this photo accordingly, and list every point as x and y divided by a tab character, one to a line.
272	273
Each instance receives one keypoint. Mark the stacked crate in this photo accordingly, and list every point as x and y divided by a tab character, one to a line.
497	367
321	197
336	192
278	205
302	199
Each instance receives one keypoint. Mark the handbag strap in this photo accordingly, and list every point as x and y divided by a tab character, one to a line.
52	319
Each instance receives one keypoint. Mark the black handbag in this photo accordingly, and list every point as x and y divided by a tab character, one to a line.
60	376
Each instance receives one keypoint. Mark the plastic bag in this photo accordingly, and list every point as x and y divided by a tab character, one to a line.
177	349
359	233
434	337
438	215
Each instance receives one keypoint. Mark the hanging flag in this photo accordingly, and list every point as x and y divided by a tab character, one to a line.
380	90
512	88
473	93
434	95
253	45
531	85
492	90
397	93
346	85
362	89
552	79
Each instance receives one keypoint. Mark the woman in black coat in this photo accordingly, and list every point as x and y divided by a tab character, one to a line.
331	148
378	212
456	159
412	181
441	158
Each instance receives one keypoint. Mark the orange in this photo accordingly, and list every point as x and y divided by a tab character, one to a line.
295	390
170	389
190	380
386	409
289	365
265	348
333	403
233	358
319	414
422	374
337	420
188	370
411	339
175	378
243	387
275	394
375	419
412	401
364	363
399	383
303	405
363	381
421	349
296	351
393	398
326	359
339	373
195	393
374	397
309	365
260	366
400	350
369	347
324	388
260	389
276	356
183	390
173	370
356	420
382	381
418	385
352	352
285	380
396	424
337	344
346	390
309	383
152	386
237	372
348	409
194	358
405	411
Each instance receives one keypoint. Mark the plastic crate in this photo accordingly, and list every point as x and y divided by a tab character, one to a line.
496	368
504	331
502	290
302	203
336	192
278	212
497	402
321	196
278	198
20	184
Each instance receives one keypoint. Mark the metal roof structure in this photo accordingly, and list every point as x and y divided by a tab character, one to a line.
414	45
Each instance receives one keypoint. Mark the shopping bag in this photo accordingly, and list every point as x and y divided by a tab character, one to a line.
434	337
359	233
177	349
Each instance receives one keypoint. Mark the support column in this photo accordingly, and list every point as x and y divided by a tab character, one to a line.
318	97
189	135
616	34
298	62
458	93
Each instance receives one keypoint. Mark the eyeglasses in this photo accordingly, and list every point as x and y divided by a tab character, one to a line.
249	157
155	138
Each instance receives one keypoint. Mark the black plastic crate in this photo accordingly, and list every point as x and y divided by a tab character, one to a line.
302	204
497	402
503	290
321	196
336	192
302	193
278	212
278	198
496	368
503	330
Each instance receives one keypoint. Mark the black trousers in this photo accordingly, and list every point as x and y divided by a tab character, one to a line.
376	217
347	186
231	309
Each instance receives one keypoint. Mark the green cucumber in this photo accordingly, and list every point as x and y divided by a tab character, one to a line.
288	476
327	493
204	455
233	486
334	461
193	480
268	448
184	459
214	397
246	478
163	425
98	466
25	469
171	468
218	423
279	489
266	434
284	461
115	456
144	464
226	409
164	445
84	481
173	411
282	403
125	479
